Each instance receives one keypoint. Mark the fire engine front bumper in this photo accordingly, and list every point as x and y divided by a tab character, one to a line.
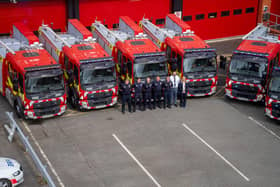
199	93
272	109
35	114
244	96
97	104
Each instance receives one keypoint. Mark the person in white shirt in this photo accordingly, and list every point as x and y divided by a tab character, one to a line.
174	78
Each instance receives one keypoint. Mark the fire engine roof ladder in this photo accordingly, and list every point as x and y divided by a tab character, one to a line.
22	39
173	27
262	33
128	30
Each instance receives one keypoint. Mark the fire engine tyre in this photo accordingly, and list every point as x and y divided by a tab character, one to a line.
5	183
19	111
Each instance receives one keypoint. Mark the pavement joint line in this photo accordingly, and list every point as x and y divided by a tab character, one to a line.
136	160
43	154
264	127
217	153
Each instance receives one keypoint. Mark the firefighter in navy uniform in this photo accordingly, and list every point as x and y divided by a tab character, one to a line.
157	92
167	85
126	95
138	95
147	89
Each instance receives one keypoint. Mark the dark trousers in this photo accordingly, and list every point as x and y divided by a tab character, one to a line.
126	99
137	101
148	102
183	100
157	100
167	99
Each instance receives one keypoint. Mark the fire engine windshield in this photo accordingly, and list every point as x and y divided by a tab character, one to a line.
96	75
44	82
150	66
249	66
200	62
274	85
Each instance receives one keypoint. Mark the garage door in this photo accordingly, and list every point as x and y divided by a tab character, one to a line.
110	10
220	18
33	13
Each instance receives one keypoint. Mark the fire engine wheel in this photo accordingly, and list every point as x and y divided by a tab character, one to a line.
19	111
5	183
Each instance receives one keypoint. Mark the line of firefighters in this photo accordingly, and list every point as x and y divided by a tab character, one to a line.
154	94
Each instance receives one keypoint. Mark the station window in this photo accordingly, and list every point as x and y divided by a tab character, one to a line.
212	15
160	21
250	10
115	25
237	11
187	18
199	16
225	13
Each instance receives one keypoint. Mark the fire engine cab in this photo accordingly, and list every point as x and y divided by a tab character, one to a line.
252	64
188	54
135	55
30	79
88	69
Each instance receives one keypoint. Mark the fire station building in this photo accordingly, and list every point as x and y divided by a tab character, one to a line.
209	18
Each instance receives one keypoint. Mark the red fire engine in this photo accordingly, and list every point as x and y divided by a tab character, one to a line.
272	99
88	69
135	55
188	54
30	78
252	64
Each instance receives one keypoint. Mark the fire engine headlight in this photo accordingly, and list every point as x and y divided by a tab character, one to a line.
84	104
63	108
259	97
16	173
30	114
270	101
229	83
227	92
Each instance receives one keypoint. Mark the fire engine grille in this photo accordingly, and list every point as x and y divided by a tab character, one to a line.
276	109
199	87
244	88
100	95
199	84
43	105
244	91
47	111
99	102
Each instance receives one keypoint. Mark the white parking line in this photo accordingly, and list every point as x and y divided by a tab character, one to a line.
136	160
264	127
43	154
217	153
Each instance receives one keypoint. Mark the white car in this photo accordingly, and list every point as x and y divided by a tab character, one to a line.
11	172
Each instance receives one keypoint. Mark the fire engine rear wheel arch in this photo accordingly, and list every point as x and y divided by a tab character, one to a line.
5	183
